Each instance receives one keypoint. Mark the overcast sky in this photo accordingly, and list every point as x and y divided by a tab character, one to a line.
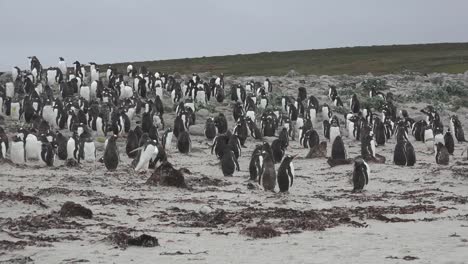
116	31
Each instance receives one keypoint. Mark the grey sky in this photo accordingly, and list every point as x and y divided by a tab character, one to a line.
116	31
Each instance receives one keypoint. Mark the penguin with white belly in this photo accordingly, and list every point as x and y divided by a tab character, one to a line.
17	150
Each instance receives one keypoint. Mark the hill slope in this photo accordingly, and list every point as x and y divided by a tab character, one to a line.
443	57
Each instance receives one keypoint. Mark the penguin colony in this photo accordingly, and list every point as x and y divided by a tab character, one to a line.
64	109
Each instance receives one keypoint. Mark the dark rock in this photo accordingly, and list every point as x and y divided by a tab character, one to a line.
123	240
167	175
260	231
71	209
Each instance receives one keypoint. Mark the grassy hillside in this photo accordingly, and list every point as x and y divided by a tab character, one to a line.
444	57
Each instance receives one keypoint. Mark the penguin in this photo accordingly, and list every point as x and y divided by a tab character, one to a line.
235	145
184	143
255	165
72	147
32	147
149	152
221	123
284	137
334	129
229	162
442	154
338	149
17	150
3	142
410	154
132	144
111	154
167	139
355	104
448	142
267	177
219	143
312	139
237	111
254	131
62	65
286	173
429	137
210	129
332	93
326	112
379	131
278	150
457	129
87	150
241	131
61	142
360	175
268	127
179	126
153	133
47	152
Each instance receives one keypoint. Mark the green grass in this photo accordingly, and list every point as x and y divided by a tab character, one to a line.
423	58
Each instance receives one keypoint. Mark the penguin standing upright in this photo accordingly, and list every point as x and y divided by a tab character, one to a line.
278	150
229	162
184	143
221	123
61	142
442	154
210	129
3	144
32	147
267	178
338	151
360	175
429	137
255	165
355	105
111	154
448	142
149	152
132	144
167	139
286	173
72	147
457	129
334	129
17	150
87	149
47	152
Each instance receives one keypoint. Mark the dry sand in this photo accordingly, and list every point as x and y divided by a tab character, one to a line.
417	214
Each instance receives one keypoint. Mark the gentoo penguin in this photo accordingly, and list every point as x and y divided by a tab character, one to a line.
254	131
429	137
132	144
255	165
326	112
284	137
167	139
267	178
62	65
111	154
355	105
338	149
404	151
286	173
241	130
61	142
229	162
278	150
442	154
457	129
379	131
334	129
17	150
32	147
149	152
184	143
221	123
87	150
3	143
235	145
72	149
448	142
360	175
47	152
210	129
219	143
332	93
237	111
326	129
